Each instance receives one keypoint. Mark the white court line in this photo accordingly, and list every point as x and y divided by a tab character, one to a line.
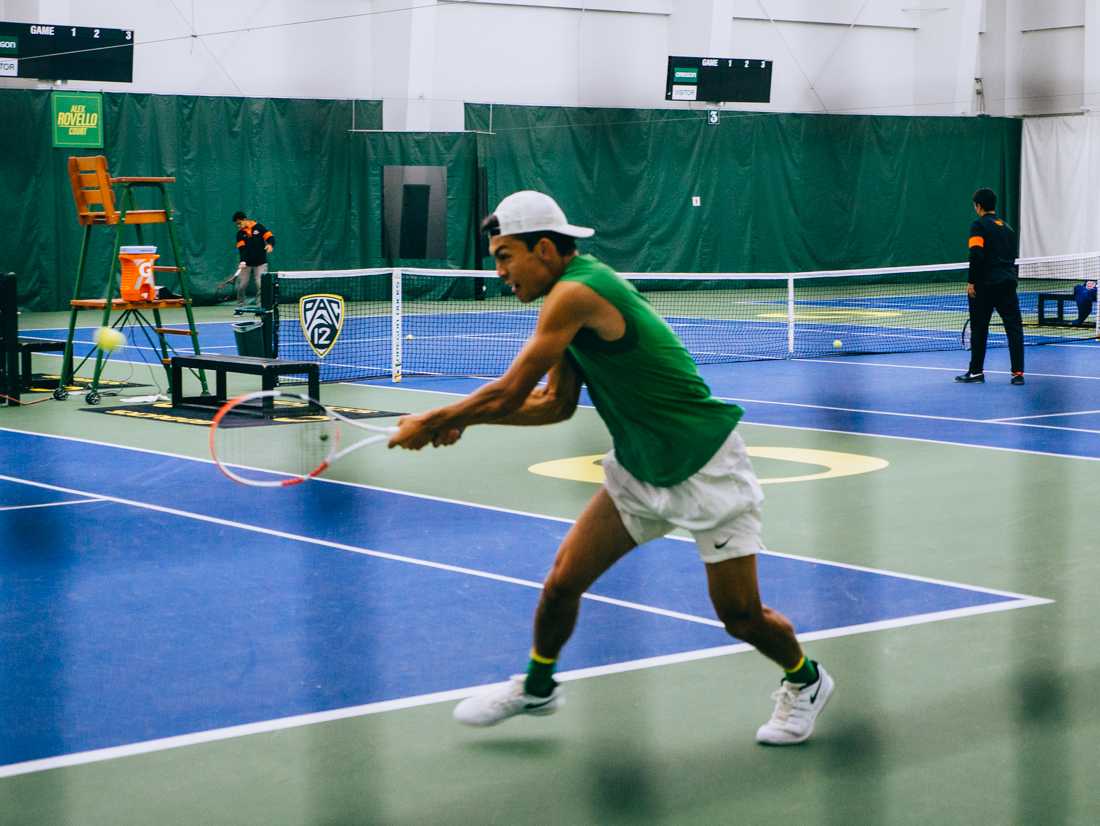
1004	422
831	429
853	362
943	442
562	519
340	546
768	360
442	566
1043	416
49	504
1085	342
301	720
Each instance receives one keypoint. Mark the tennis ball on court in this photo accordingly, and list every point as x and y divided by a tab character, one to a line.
409	337
837	343
108	339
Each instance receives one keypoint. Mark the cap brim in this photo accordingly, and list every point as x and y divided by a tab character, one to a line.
576	232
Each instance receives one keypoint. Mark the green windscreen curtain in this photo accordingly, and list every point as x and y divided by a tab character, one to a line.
287	163
777	193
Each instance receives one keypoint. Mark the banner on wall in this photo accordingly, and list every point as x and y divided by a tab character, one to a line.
77	120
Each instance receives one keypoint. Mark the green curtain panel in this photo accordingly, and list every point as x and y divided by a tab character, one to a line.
288	163
777	193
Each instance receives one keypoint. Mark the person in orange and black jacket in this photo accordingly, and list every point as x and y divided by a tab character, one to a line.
991	285
254	242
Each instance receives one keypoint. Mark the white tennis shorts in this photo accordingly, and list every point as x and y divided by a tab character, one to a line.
719	505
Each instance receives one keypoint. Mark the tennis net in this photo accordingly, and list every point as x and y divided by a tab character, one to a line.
388	322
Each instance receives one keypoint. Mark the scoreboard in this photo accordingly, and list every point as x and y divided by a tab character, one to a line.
717	79
37	50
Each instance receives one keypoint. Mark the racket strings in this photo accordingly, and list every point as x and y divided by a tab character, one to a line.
268	454
316	442
300	440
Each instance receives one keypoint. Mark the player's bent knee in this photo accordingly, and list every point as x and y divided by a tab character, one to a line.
557	589
744	624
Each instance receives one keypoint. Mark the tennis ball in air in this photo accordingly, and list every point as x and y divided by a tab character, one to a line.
108	339
837	343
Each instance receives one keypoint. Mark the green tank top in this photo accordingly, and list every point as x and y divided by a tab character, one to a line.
664	422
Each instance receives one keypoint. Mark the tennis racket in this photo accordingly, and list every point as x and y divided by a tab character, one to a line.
311	440
223	284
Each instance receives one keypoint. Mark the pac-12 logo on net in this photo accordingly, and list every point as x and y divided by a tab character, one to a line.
322	319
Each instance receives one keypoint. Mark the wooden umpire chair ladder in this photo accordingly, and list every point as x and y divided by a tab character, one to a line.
94	196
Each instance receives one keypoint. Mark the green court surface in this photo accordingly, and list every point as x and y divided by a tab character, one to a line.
971	719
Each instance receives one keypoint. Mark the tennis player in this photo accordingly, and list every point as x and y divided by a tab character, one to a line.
676	462
991	285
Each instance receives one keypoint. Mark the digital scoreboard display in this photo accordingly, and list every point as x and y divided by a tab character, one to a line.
37	50
719	79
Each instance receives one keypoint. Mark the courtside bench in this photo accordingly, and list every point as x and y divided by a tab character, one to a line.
27	346
267	369
1059	320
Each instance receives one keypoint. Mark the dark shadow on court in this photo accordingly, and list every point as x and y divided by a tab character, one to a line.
1043	772
519	747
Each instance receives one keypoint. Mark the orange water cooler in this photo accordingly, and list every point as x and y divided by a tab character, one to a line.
137	282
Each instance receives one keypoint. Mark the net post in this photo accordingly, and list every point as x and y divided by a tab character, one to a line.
790	316
269	305
10	378
1095	268
395	326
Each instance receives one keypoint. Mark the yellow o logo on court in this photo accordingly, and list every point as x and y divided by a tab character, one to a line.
836	464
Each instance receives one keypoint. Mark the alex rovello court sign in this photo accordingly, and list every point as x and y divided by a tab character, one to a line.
77	119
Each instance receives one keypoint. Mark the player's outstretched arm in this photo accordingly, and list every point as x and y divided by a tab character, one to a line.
553	402
564	312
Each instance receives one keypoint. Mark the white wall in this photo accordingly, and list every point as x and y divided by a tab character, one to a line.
826	67
426	57
242	50
1041	58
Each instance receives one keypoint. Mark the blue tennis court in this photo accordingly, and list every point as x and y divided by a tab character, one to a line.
157	615
178	611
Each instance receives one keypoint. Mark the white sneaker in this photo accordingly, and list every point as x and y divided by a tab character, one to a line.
796	709
500	702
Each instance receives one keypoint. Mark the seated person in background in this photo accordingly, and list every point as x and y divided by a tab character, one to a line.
1084	295
254	242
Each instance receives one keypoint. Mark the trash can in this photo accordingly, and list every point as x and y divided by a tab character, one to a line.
250	338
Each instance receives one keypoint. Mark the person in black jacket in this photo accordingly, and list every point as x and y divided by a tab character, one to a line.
254	242
991	285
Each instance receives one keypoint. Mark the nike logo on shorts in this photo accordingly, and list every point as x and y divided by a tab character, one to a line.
720	545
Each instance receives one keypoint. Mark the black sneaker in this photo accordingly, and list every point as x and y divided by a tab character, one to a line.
971	378
1017	378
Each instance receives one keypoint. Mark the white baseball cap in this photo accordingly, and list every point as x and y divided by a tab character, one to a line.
528	211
